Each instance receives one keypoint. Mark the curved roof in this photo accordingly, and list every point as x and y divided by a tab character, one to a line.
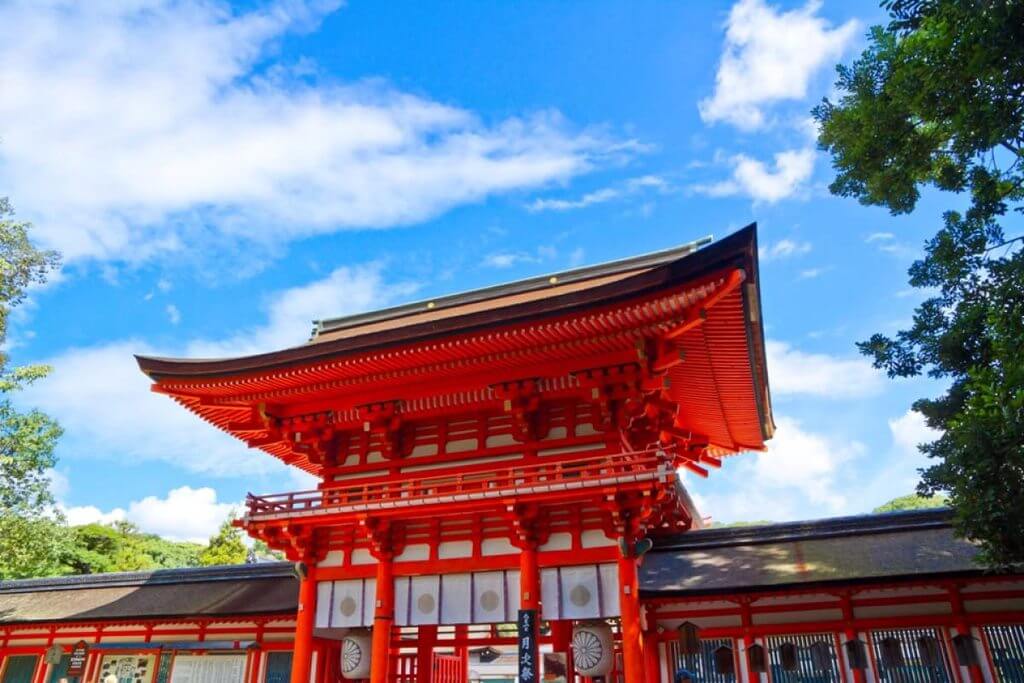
453	350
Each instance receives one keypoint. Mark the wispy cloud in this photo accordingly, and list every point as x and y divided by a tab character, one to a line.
605	194
770	56
785	178
887	243
796	372
136	129
107	410
782	249
507	259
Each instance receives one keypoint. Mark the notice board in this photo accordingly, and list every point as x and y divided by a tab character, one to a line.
208	669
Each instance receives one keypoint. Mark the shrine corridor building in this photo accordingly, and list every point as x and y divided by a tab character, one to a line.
500	494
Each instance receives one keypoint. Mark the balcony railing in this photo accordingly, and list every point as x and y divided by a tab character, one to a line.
561	478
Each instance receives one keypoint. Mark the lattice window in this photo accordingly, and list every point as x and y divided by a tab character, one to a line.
1006	645
924	657
815	660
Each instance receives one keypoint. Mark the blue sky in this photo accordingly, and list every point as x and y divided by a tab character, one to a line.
218	176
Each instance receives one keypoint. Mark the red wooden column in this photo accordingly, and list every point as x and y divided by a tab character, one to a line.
561	636
529	589
426	638
629	604
652	665
304	622
850	633
383	620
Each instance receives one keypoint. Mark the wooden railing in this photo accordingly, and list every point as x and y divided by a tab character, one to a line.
561	475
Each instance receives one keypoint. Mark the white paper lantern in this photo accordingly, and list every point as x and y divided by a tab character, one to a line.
593	649
355	655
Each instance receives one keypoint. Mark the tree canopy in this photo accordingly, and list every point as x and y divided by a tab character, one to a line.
99	548
226	546
912	501
31	538
937	101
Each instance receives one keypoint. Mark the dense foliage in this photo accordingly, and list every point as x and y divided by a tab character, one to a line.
30	529
937	100
98	548
912	501
226	546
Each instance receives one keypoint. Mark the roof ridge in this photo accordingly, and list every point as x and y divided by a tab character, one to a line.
333	324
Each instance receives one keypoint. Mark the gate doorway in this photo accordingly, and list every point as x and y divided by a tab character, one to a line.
444	668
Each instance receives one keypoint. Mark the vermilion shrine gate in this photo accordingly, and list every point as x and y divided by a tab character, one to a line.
496	456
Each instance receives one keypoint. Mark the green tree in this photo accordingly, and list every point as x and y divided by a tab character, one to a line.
226	546
937	100
912	501
99	548
31	531
262	551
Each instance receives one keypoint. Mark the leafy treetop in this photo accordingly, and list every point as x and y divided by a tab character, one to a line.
937	100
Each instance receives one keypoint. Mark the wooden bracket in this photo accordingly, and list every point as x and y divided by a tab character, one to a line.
521	400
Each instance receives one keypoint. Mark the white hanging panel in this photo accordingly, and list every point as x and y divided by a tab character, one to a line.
490	598
350	603
324	603
609	576
424	602
581	592
457	599
403	591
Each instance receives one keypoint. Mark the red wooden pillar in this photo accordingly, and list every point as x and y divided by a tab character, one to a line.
629	605
383	620
462	650
561	638
652	664
304	622
426	637
849	633
529	591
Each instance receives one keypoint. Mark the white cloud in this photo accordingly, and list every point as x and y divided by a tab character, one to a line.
754	179
909	430
185	514
107	410
345	291
793	372
134	129
812	273
173	314
879	237
605	194
90	514
801	474
770	56
784	248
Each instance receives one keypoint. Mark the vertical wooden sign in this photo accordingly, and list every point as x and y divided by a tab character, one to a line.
529	666
76	663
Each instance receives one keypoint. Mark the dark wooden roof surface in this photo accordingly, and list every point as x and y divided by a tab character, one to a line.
893	546
235	591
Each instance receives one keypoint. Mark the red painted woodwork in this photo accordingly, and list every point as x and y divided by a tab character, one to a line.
629	604
304	621
562	482
449	669
383	620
